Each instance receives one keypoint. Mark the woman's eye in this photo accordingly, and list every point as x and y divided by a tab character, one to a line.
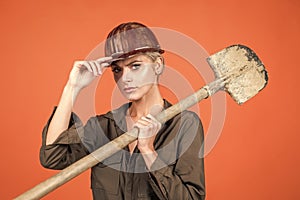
135	66
116	70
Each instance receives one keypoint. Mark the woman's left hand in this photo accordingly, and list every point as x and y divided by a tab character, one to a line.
148	128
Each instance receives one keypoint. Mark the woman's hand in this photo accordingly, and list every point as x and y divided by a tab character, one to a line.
84	72
148	128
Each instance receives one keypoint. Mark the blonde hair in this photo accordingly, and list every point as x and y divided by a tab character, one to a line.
154	55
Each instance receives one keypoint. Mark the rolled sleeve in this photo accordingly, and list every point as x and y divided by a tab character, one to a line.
66	149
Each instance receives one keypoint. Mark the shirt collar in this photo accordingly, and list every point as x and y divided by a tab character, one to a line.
118	115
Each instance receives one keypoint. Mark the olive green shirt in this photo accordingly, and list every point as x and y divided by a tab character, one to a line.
177	173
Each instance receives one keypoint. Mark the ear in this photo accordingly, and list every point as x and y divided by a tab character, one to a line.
159	68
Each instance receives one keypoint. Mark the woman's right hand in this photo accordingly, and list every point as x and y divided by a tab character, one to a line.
84	72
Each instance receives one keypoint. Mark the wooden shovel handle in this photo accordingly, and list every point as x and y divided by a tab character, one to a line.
107	150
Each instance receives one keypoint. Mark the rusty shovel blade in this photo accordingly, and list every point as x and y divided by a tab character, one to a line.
243	72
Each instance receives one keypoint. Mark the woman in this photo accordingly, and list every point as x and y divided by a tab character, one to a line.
164	162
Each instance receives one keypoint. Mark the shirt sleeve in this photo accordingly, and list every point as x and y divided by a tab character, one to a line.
66	149
183	179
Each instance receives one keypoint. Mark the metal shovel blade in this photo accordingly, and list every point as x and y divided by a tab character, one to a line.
243	72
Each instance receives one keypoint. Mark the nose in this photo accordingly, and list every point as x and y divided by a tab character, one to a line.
126	76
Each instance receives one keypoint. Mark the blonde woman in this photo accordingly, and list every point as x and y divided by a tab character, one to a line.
165	161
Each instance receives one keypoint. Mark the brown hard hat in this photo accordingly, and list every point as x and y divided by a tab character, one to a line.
130	38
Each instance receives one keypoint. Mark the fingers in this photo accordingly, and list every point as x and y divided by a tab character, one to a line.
152	120
104	59
148	126
102	63
96	67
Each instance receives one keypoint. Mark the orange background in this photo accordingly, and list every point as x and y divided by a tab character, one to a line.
257	156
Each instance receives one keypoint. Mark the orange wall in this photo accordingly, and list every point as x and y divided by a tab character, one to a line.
256	156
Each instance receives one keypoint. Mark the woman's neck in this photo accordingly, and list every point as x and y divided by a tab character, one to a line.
152	103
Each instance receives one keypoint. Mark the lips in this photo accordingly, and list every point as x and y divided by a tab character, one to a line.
129	89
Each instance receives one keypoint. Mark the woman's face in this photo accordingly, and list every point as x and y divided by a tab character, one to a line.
135	76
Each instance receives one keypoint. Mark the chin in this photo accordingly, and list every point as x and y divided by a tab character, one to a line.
133	97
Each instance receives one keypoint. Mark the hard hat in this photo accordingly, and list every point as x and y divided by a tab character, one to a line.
130	38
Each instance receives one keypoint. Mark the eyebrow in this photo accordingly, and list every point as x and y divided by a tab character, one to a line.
133	62
115	64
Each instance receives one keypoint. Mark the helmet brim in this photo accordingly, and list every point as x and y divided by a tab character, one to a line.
124	55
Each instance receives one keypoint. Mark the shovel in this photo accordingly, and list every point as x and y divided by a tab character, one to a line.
238	71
